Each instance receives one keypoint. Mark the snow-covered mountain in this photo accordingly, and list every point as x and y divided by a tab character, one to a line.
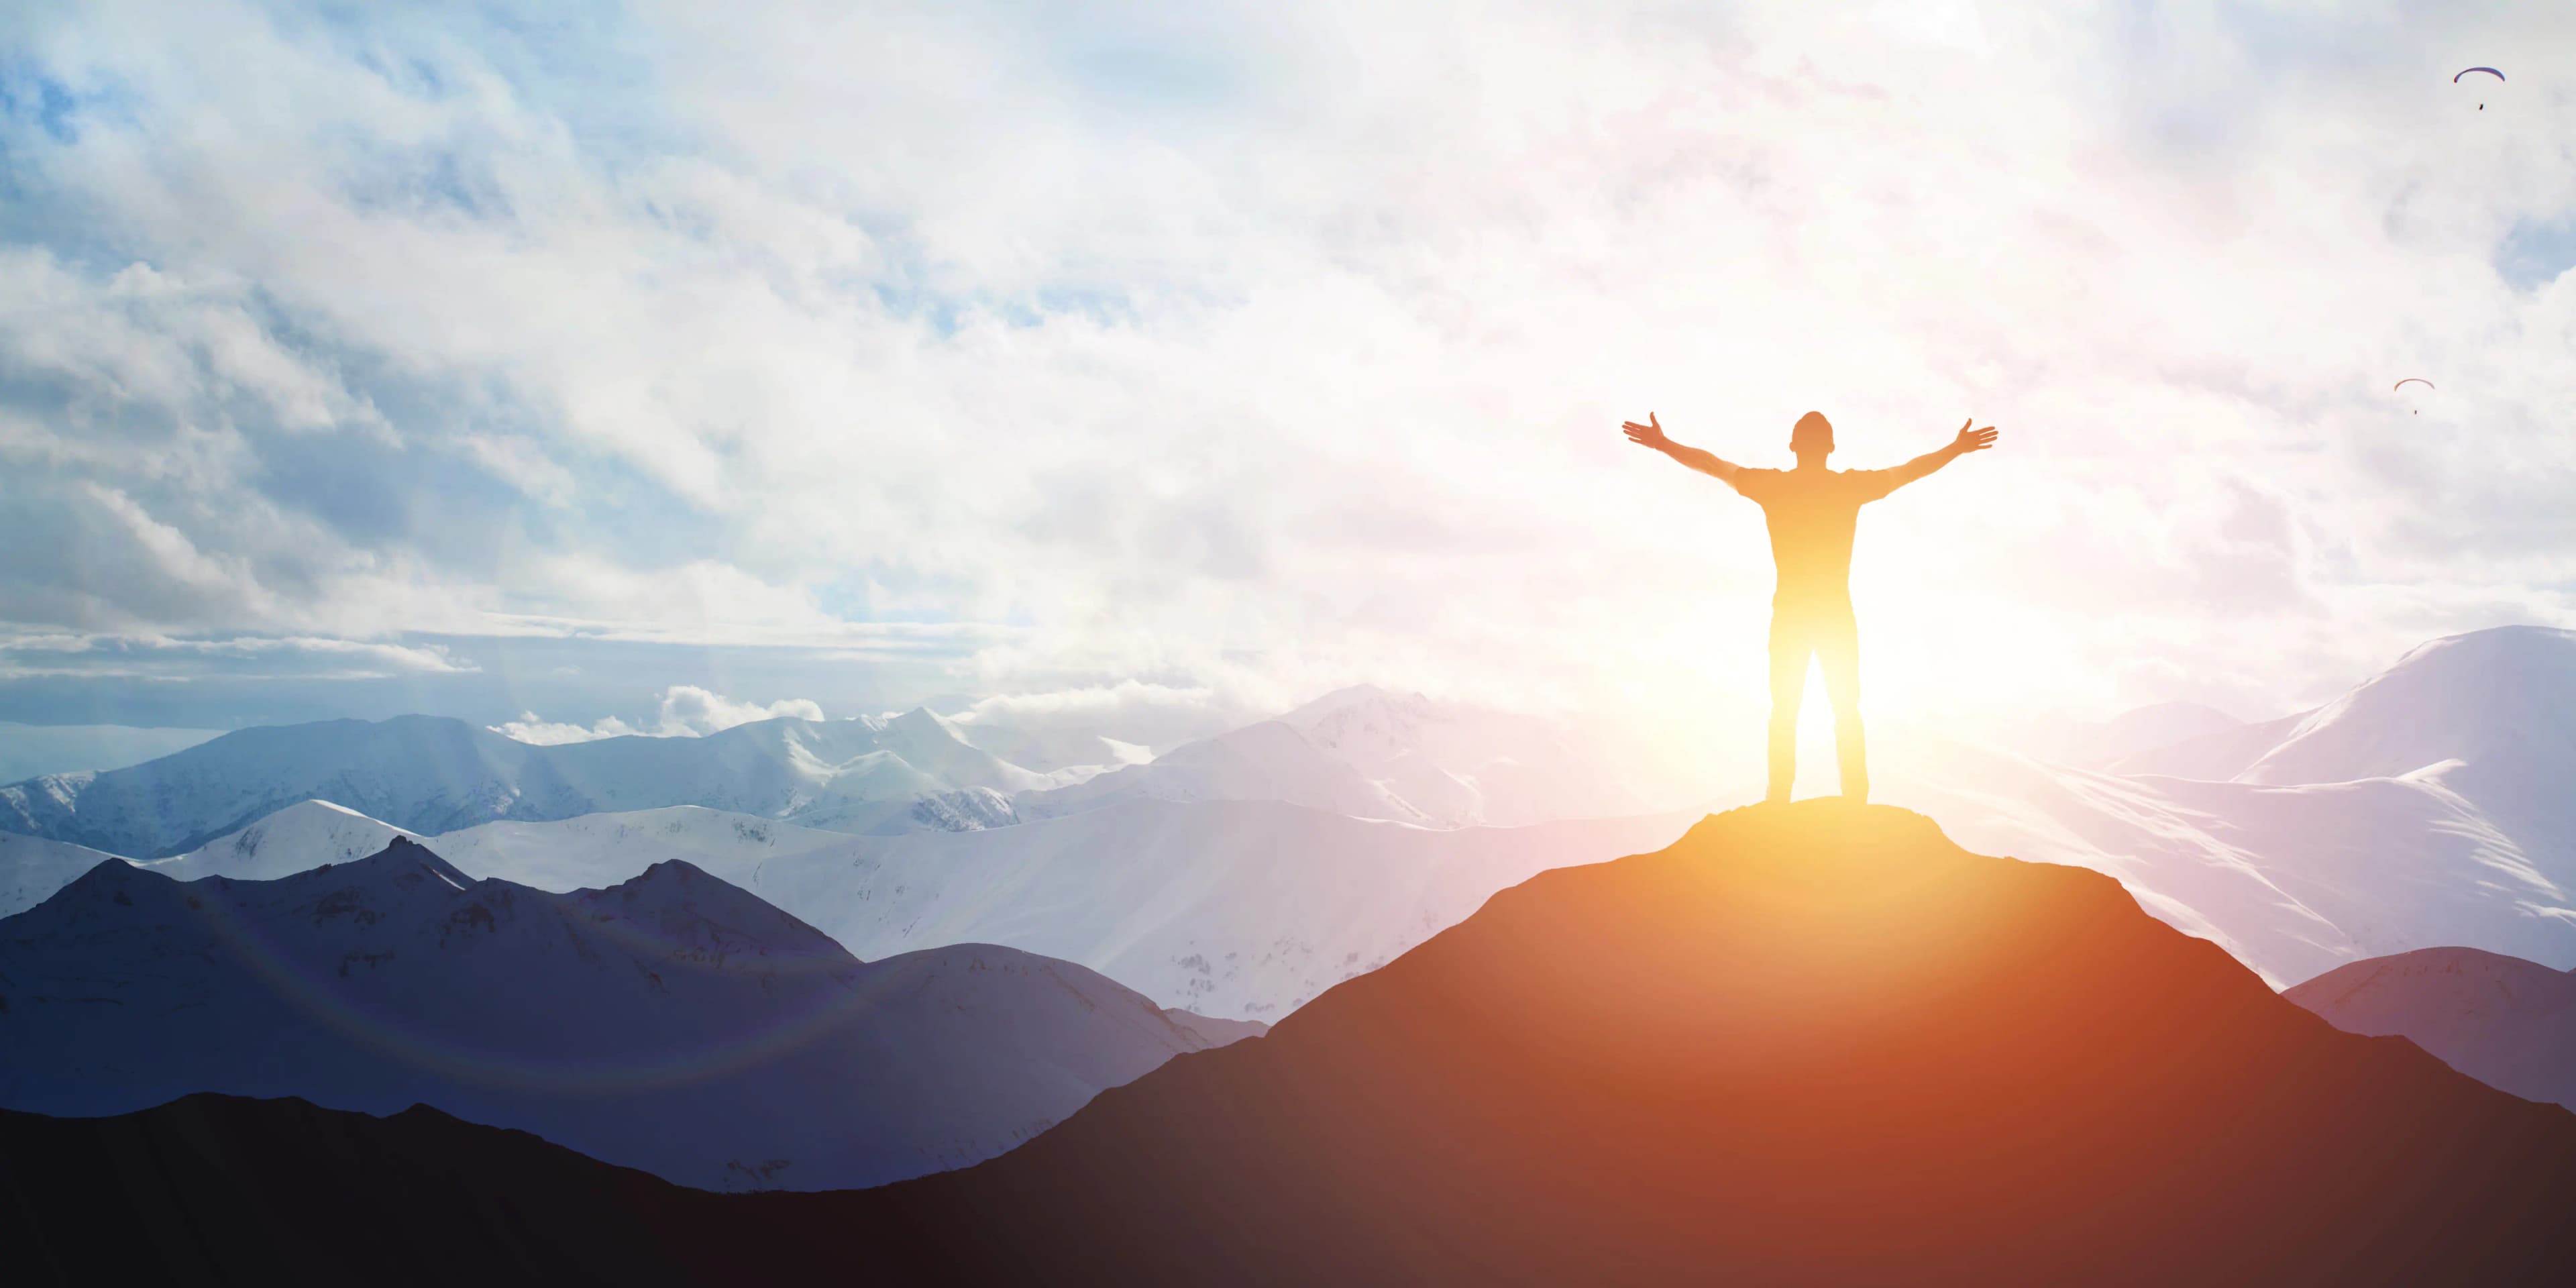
428	775
1364	753
671	1022
2492	712
32	869
304	835
2506	1022
2490	716
1367	752
2500	704
2291	880
2434	804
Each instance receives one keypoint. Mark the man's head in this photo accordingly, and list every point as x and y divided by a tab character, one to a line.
1813	436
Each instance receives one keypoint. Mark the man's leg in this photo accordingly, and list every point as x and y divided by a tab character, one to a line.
1791	642
1838	648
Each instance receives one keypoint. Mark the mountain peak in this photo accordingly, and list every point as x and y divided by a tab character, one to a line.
1357	697
2501	701
1807	1043
401	856
106	879
673	870
922	722
670	880
685	904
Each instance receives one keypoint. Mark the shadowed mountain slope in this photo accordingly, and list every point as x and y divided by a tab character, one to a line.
2506	1022
1806	1044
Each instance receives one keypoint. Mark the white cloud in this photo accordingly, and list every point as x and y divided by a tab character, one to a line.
1275	348
160	657
1113	723
1090	703
687	712
687	708
529	728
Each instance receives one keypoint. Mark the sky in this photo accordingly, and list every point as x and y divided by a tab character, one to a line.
651	367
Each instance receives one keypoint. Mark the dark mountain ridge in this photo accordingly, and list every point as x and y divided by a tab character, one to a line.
672	1022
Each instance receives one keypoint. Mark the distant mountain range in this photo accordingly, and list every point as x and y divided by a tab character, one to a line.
670	1022
1807	1044
429	775
2506	1022
1362	753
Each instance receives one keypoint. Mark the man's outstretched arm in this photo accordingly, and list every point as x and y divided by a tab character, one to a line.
1969	440
1651	434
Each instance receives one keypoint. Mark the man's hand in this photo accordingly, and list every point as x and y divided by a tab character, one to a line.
1651	434
1971	440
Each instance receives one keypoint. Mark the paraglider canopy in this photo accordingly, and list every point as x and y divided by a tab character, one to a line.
2455	79
2412	380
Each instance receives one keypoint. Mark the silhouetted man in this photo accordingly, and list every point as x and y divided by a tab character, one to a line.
1813	512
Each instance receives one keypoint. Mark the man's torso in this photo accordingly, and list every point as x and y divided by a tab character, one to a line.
1813	516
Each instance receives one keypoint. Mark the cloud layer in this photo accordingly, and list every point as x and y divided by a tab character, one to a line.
687	712
1244	351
